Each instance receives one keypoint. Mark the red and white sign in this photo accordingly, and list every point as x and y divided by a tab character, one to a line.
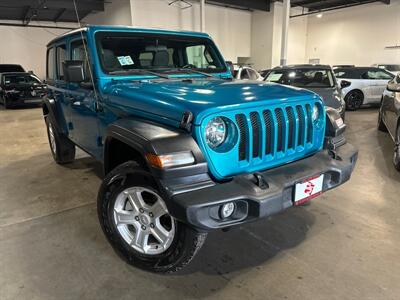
308	189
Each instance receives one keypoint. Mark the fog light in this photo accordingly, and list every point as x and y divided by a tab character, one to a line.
227	210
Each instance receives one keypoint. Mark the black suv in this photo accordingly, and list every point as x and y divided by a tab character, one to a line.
20	88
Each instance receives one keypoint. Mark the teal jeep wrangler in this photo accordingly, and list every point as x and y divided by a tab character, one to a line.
185	148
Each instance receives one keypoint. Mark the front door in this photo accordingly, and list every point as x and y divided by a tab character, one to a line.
83	103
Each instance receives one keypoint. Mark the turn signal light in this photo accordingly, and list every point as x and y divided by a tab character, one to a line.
170	160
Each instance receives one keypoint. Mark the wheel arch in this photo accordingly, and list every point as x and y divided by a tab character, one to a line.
356	89
132	139
50	108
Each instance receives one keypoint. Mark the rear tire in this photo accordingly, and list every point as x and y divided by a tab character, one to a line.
125	224
354	99
62	149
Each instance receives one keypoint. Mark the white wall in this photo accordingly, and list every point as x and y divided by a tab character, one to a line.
229	28
356	35
267	33
27	46
117	12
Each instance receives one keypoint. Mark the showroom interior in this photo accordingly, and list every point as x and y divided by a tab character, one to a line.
234	222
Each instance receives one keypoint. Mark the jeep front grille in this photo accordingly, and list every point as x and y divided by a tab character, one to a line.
281	131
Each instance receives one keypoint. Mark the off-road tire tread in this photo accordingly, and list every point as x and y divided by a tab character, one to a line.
189	245
65	148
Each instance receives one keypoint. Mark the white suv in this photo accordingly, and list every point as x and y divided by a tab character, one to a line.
365	85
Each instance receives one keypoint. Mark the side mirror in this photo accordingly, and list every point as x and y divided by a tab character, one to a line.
393	87
74	71
231	67
344	84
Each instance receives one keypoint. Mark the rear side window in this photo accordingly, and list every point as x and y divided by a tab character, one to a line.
61	53
51	67
377	75
348	73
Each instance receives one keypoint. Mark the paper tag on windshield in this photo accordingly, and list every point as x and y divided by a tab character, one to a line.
274	77
125	60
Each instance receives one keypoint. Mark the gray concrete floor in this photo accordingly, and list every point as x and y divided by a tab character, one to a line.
344	246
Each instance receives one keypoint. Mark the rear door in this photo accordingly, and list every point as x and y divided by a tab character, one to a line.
377	82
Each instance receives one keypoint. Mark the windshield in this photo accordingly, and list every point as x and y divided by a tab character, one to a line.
307	78
20	79
122	53
393	68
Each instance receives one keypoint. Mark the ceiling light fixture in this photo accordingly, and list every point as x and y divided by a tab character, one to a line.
319	16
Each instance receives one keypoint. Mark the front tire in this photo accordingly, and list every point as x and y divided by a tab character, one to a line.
354	99
4	100
62	149
136	222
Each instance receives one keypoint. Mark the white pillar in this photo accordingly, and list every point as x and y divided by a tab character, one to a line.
202	15
285	31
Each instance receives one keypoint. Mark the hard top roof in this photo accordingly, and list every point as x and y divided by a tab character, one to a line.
114	28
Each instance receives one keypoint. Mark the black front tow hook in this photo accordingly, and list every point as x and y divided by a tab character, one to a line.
260	181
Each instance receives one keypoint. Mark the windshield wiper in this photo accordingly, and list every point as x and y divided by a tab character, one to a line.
188	70
139	71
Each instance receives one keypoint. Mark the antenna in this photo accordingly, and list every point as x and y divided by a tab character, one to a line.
87	55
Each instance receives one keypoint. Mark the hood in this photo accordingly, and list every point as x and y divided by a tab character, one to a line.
170	99
328	95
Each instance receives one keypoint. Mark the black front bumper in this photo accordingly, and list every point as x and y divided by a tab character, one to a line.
200	207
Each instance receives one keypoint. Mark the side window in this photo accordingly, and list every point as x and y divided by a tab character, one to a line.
61	53
340	74
376	75
78	53
244	74
252	74
51	67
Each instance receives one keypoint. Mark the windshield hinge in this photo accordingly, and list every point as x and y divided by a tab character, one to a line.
186	121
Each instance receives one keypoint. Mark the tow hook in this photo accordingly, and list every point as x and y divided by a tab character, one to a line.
260	181
334	155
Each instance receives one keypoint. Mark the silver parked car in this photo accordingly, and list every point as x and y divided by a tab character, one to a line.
317	78
366	85
246	73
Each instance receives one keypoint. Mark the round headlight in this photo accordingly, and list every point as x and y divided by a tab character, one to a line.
315	113
215	132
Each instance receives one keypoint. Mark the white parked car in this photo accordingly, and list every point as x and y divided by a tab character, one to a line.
392	68
365	85
246	73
